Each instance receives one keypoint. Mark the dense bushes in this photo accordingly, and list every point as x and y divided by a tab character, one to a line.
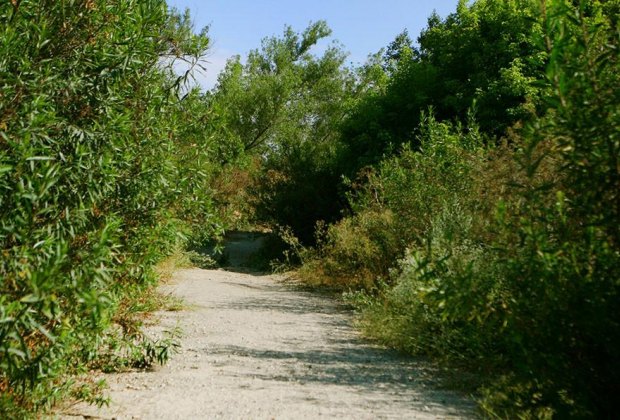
508	258
93	183
394	205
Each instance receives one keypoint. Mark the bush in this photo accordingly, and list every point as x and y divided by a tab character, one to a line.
394	205
356	252
513	262
90	165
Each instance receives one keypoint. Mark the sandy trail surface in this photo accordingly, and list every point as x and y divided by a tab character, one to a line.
255	347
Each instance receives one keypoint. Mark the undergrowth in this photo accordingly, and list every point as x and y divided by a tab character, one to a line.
503	259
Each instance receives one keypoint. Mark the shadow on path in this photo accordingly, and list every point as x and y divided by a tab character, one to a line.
315	346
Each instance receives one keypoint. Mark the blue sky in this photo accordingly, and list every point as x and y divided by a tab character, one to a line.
361	26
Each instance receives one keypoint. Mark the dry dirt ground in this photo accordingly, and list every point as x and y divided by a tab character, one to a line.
255	347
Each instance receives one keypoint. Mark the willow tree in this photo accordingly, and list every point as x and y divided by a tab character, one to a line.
89	169
284	106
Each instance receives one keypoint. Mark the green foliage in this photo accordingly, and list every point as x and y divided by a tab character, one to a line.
500	258
566	316
394	206
355	252
232	188
484	56
256	104
94	186
121	352
505	259
284	106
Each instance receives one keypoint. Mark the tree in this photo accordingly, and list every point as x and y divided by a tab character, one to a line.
284	105
485	57
399	49
252	102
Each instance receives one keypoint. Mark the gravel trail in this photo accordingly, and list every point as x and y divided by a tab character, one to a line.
254	347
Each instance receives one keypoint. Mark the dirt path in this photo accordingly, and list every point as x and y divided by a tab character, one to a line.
255	348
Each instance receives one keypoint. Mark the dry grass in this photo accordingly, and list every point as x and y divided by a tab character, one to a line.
166	268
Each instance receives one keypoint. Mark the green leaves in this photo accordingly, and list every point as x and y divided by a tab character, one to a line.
92	153
486	56
510	255
260	103
283	108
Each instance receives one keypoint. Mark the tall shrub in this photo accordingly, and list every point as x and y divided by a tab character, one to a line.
89	122
525	283
564	277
